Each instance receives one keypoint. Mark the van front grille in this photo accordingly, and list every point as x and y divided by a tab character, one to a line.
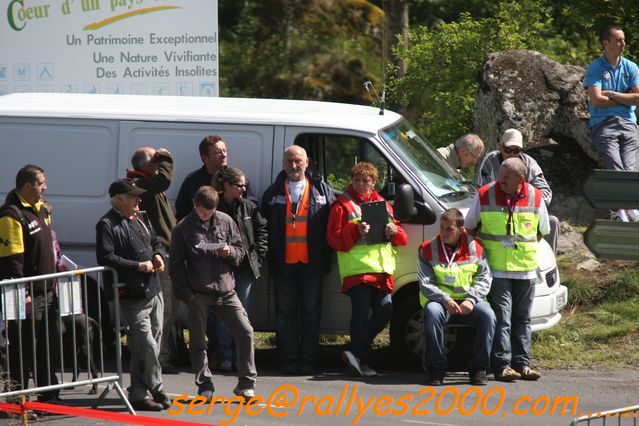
551	278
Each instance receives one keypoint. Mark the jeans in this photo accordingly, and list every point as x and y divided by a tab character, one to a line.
296	290
511	299
220	334
364	328
482	318
171	308
229	310
144	320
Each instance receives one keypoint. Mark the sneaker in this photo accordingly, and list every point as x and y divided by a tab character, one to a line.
621	216
435	376
162	399
367	371
477	378
507	374
246	393
352	362
528	373
146	405
633	215
226	366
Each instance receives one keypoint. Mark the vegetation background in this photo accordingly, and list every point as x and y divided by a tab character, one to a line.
426	54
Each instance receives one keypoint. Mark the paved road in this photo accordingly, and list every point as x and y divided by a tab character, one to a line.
392	397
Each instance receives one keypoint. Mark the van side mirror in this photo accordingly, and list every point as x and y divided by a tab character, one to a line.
404	204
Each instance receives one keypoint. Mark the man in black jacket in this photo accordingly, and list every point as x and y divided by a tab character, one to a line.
126	242
26	250
153	172
296	207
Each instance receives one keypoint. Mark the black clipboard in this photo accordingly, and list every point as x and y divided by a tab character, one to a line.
376	215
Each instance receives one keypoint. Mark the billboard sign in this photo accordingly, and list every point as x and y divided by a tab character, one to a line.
145	47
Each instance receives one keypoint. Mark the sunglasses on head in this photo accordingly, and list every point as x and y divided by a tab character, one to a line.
514	150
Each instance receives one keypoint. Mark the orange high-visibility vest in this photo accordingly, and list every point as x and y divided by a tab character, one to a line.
296	247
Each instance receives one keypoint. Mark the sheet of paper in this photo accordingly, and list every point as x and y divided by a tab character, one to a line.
209	246
14	301
70	296
68	264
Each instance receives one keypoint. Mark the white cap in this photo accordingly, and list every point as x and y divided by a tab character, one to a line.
512	137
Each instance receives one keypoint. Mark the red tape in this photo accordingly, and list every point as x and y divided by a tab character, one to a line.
95	414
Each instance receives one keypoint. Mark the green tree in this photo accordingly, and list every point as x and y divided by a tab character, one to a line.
443	61
301	49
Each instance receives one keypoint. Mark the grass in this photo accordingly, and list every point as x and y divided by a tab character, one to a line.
600	326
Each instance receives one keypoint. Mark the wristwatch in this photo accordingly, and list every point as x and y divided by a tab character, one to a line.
612	95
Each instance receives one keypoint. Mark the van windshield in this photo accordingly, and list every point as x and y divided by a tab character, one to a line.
444	182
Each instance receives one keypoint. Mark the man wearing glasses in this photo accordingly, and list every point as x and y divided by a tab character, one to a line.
215	158
464	152
512	146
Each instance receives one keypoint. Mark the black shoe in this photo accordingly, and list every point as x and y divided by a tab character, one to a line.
435	377
477	377
146	405
306	369
168	368
290	369
206	390
162	399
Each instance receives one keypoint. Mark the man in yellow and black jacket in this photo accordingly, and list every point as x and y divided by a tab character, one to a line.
26	250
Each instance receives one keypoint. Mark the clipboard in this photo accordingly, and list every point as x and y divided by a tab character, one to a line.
376	215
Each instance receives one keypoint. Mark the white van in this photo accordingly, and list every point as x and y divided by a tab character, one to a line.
83	142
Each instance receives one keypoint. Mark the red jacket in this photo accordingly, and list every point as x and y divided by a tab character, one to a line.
342	236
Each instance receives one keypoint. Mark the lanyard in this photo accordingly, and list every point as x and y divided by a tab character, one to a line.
450	259
511	203
295	205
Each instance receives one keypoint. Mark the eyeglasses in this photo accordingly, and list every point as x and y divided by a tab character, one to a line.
218	153
509	150
239	185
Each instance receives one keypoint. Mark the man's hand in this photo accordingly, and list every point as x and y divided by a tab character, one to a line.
163	151
146	266
158	263
224	251
452	307
466	307
363	228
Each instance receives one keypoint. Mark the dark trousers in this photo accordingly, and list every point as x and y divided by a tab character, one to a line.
298	309
33	329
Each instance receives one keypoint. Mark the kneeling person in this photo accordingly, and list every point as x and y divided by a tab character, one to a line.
454	279
205	248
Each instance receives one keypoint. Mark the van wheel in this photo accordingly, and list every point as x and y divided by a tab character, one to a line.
407	333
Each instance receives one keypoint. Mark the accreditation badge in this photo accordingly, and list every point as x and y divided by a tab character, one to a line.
509	242
449	279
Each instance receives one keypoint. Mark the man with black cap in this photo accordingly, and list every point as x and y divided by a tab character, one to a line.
126	242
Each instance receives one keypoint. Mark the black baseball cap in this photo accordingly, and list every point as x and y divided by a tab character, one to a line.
125	186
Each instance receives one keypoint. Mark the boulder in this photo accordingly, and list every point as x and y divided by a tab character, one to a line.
542	98
545	100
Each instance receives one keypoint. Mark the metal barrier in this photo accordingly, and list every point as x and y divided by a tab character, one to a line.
620	417
48	316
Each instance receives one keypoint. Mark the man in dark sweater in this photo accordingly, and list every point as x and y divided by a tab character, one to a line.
215	158
153	172
26	250
126	242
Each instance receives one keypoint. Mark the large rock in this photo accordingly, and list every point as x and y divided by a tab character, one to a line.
542	98
545	100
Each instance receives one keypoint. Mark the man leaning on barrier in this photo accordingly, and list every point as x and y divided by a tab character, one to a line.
126	242
26	250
